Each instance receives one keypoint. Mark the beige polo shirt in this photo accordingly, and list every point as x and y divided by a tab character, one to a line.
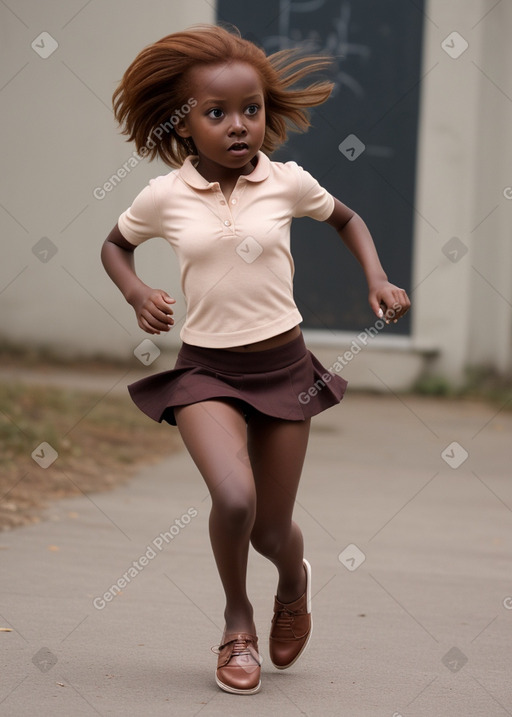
236	266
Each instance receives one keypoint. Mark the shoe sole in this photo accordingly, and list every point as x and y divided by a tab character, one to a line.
235	690
308	609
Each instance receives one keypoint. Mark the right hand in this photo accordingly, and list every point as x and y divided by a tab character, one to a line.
153	310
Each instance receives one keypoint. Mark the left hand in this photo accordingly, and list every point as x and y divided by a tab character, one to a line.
389	302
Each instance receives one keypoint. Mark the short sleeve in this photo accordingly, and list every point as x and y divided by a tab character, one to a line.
312	199
141	220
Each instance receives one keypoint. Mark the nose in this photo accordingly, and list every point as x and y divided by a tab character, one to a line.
237	126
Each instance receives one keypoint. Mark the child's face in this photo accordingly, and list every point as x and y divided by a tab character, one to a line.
228	122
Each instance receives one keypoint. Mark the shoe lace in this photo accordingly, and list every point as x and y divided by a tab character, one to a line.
284	617
240	647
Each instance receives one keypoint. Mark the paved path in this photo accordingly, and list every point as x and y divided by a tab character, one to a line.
412	581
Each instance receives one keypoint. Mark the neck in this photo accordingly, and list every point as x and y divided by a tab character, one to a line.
214	172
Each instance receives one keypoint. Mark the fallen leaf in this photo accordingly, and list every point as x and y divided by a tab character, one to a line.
5	629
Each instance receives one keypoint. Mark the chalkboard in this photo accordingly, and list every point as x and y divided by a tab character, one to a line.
362	145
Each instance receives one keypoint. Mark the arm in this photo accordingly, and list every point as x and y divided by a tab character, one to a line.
382	296
152	306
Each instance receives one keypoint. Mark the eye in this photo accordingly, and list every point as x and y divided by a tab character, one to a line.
252	110
215	113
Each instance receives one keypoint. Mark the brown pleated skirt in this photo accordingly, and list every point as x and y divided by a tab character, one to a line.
286	382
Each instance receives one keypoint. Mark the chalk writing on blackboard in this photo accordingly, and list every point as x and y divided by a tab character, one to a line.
336	41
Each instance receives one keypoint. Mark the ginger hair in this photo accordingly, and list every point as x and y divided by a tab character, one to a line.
154	88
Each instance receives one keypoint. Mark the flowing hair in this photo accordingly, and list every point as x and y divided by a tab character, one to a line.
153	94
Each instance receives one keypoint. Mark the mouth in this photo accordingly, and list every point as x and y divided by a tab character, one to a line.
238	148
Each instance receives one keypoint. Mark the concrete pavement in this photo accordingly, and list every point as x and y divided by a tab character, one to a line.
406	509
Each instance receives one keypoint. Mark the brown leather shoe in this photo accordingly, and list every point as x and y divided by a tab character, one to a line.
292	627
238	666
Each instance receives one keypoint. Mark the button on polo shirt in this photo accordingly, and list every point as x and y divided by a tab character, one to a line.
235	261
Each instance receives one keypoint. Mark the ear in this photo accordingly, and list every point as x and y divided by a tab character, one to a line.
181	129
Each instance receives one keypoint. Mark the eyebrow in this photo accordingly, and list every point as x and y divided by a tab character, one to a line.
212	100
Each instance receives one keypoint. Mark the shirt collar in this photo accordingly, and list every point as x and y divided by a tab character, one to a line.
191	176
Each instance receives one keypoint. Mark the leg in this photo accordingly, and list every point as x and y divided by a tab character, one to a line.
277	449
215	434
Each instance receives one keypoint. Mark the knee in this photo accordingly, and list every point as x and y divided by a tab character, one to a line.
268	541
236	511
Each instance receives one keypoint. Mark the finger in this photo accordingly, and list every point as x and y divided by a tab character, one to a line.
143	324
154	318
163	300
163	304
386	303
154	322
162	313
407	303
164	316
403	303
375	305
146	316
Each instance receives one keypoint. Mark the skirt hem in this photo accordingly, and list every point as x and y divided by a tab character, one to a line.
286	382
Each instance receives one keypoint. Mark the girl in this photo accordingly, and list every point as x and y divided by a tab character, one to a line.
215	106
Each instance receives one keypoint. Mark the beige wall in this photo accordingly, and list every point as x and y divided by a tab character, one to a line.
59	143
491	286
463	308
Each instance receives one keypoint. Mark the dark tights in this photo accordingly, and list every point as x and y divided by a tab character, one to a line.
252	472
